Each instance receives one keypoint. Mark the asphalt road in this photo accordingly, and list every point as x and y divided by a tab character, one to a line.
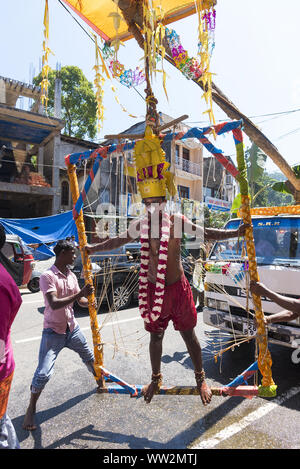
71	415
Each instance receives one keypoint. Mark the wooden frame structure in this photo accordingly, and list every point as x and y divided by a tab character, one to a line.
268	388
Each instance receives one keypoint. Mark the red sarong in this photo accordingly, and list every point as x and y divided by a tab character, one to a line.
178	306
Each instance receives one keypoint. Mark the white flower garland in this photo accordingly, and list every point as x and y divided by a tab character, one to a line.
147	314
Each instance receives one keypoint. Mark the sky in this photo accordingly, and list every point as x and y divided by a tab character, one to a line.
254	62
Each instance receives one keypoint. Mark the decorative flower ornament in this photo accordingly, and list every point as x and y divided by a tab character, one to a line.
151	315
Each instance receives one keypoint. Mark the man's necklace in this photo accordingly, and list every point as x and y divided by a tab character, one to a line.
151	315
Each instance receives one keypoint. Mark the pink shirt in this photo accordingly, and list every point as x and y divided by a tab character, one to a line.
64	285
10	302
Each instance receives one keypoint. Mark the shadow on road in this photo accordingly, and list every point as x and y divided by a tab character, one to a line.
45	415
90	433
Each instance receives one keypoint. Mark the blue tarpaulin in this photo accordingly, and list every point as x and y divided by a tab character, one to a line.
45	230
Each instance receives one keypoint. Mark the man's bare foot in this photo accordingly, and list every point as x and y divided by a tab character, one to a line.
152	388
29	423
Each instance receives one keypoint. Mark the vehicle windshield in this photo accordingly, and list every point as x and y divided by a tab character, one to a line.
277	241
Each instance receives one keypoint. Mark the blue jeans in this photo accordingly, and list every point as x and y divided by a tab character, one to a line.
8	437
51	344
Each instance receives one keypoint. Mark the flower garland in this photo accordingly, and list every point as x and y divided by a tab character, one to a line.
130	77
147	314
189	66
197	68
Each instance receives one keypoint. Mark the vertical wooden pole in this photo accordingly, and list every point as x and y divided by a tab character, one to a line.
264	357
88	277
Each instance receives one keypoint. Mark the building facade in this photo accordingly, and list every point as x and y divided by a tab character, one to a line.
29	143
219	187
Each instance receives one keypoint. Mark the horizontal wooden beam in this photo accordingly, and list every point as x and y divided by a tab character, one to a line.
140	136
173	122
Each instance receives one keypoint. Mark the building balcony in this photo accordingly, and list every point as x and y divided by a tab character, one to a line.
194	169
25	188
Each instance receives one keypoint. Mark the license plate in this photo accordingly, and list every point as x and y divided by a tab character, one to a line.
249	329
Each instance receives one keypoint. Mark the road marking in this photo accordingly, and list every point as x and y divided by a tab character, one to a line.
32	339
29	302
114	322
246	421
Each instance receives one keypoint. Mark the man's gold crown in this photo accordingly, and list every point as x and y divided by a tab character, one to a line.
153	179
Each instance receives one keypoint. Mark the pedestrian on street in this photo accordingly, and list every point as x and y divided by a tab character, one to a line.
60	289
10	302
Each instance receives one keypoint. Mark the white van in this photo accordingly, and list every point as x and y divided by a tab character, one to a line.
228	302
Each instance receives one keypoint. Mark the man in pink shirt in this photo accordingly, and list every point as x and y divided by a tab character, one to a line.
60	289
10	302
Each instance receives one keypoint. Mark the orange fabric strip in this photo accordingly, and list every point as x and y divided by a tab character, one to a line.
4	394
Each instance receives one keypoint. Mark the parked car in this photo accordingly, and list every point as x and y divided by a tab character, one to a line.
116	275
17	259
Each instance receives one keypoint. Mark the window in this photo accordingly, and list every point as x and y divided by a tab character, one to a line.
207	191
177	153
64	197
8	251
185	154
183	192
276	242
228	179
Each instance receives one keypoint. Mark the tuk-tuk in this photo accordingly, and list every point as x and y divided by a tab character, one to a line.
17	259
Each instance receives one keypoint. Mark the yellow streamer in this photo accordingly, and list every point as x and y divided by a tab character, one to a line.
44	84
206	77
99	82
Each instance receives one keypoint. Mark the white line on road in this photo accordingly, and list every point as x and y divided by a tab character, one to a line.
248	420
31	339
114	322
29	302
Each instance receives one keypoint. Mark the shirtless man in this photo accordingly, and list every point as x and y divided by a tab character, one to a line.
178	303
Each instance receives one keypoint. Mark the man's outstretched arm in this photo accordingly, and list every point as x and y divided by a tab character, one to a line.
212	233
218	234
290	305
110	244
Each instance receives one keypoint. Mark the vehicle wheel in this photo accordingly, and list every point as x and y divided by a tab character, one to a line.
79	309
120	297
34	285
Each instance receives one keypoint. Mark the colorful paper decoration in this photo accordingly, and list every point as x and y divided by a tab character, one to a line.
190	67
197	68
206	44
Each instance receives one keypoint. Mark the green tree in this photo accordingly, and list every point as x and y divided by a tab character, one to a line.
215	219
255	161
265	191
78	102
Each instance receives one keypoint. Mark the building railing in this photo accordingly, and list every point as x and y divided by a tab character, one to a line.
188	166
